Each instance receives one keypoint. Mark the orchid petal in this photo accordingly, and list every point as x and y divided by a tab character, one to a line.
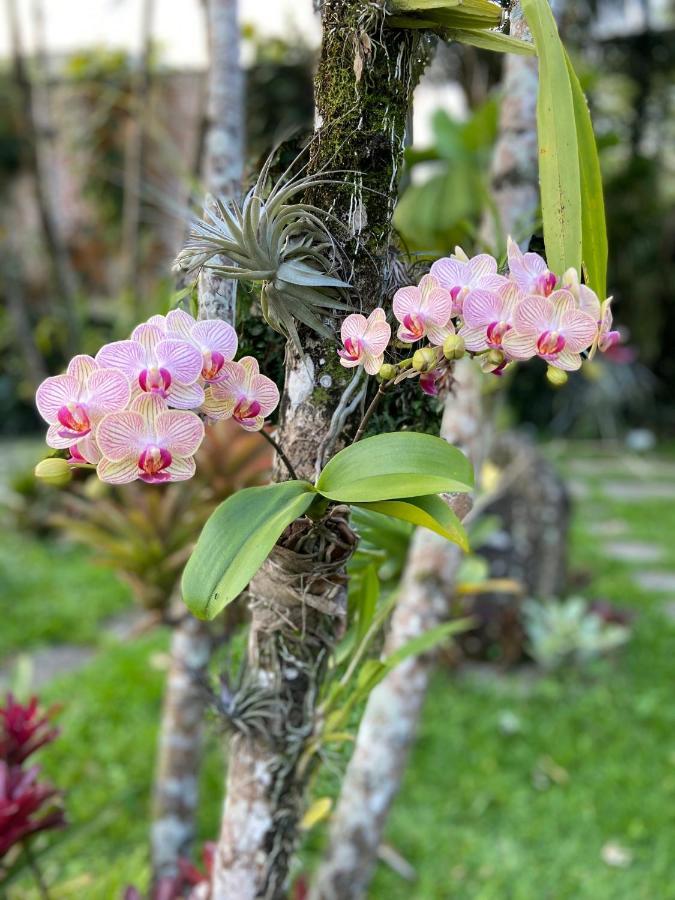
121	434
120	471
127	356
407	301
353	327
519	346
148	336
579	329
213	334
81	367
185	396
220	405
182	359
474	338
377	336
180	322
54	393
567	360
181	469
534	314
265	391
180	433
56	440
372	363
483	264
482	307
108	390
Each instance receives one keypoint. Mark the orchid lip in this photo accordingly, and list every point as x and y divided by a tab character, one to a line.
152	461
155	381
495	333
246	411
75	420
213	363
352	349
413	325
550	344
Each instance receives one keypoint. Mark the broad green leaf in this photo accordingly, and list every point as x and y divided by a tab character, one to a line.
367	601
593	225
430	512
391	466
559	174
469	13
236	540
491	40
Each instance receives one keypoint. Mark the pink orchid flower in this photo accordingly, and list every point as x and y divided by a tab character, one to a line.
529	271
588	301
215	340
365	340
553	328
424	312
73	403
460	275
158	364
148	441
242	394
85	452
489	322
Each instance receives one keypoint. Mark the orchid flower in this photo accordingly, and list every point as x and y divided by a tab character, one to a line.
554	329
242	394
148	441
529	271
424	312
460	275
489	322
365	341
73	403
216	340
158	364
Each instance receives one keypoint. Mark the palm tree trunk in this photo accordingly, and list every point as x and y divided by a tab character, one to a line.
361	115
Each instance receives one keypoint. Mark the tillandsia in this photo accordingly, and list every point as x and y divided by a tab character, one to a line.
466	306
285	245
137	410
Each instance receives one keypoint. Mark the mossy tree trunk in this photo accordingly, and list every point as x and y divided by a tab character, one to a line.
363	92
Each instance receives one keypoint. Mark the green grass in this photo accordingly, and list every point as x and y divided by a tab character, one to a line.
52	592
483	815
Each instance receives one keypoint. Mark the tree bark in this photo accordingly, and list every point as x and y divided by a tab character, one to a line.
389	723
224	160
180	747
363	93
37	161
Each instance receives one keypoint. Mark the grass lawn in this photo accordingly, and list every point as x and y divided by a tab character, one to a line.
486	812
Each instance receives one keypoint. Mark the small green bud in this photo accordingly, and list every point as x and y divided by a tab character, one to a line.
387	372
54	471
556	377
495	358
453	347
425	360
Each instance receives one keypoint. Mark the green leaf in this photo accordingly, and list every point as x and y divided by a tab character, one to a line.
491	40
236	540
296	272
559	173
430	512
451	13
392	466
593	225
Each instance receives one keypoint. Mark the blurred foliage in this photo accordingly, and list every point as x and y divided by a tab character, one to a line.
445	209
146	532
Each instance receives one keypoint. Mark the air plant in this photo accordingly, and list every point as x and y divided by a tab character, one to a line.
285	245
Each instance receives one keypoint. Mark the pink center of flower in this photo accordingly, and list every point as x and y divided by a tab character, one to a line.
608	340
429	383
550	344
74	418
495	333
152	462
75	455
213	363
545	283
414	324
353	349
246	411
155	381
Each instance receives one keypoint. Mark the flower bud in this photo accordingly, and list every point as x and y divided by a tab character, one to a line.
387	372
54	471
556	377
453	347
495	358
425	360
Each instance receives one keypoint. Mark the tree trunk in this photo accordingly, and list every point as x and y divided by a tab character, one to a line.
38	163
134	157
181	732
363	93
180	747
392	713
224	162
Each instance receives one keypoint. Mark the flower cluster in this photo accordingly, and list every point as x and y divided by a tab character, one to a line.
27	806
135	411
466	305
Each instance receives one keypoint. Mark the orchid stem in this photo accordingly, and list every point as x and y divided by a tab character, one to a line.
280	452
368	413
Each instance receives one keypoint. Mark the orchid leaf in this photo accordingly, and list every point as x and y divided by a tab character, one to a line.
430	512
236	540
395	466
594	248
491	40
296	272
559	173
450	13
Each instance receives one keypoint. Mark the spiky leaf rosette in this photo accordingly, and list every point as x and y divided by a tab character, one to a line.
283	244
